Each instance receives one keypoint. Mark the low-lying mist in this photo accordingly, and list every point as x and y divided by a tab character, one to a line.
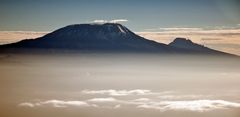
130	85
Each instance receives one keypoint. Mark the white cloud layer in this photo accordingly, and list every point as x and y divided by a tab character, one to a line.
100	21
109	99
119	20
26	104
140	99
193	105
181	97
110	21
180	29
142	103
55	103
112	92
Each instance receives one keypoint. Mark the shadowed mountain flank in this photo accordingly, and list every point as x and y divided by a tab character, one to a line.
110	37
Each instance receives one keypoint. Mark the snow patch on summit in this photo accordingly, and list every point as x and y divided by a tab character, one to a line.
122	30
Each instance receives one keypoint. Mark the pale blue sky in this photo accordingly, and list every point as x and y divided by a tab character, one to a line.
47	15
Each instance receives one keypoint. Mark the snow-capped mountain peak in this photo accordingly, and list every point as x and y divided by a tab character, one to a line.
107	37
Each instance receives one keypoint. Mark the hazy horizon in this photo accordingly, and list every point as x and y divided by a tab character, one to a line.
139	85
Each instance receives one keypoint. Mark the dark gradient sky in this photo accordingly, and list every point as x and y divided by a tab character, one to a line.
47	15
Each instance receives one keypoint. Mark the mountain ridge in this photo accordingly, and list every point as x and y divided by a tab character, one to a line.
106	37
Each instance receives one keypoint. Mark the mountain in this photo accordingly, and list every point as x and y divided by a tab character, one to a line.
187	44
95	37
111	37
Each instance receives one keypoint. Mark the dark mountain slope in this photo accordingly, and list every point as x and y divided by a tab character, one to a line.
188	45
109	36
104	37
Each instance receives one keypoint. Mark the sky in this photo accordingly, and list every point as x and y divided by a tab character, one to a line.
149	18
47	15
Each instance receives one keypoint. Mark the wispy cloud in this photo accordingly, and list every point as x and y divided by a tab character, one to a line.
194	105
119	92
110	21
192	31
55	103
100	21
159	101
143	103
119	20
182	97
182	29
26	104
109	99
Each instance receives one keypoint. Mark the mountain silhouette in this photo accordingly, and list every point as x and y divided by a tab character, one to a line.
96	37
187	44
111	37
